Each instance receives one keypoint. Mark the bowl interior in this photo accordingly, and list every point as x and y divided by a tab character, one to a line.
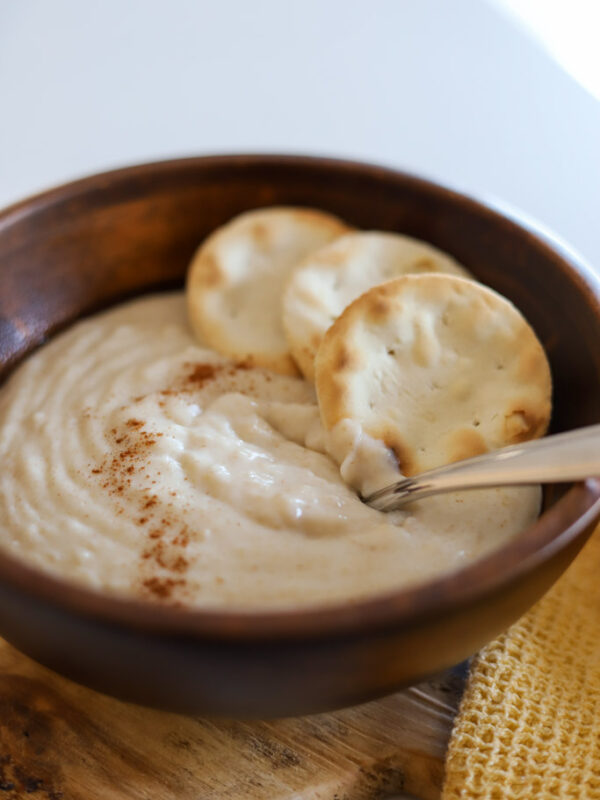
86	245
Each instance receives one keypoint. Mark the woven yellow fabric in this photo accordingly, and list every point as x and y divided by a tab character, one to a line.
529	723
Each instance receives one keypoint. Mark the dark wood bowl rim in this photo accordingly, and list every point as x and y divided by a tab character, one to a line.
552	532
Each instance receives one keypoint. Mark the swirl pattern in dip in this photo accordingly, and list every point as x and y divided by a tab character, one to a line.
138	463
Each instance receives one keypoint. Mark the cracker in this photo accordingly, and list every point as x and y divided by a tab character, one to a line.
237	276
329	279
437	367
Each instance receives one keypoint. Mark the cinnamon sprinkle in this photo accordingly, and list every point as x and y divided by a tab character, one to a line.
201	373
132	445
162	588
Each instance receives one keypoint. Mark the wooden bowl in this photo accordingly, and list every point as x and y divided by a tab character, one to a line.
91	243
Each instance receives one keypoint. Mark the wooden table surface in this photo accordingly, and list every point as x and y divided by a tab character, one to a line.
61	741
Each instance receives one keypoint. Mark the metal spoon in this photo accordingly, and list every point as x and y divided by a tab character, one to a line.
570	456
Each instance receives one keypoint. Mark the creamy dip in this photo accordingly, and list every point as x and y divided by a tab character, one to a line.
137	462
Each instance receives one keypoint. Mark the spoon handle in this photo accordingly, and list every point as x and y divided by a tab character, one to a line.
570	456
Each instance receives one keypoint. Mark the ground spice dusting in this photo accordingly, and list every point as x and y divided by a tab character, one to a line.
164	557
131	445
182	539
200	373
162	588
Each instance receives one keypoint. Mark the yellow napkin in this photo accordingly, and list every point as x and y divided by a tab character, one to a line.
529	723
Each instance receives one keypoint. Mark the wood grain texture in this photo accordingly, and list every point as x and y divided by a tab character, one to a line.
60	741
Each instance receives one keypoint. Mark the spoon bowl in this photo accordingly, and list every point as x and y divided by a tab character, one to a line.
571	456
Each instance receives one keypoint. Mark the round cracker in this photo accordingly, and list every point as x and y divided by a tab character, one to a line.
329	279
237	276
437	367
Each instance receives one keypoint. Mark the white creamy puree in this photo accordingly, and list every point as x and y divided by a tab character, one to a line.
136	462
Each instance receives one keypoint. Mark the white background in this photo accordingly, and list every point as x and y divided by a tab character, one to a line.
453	89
